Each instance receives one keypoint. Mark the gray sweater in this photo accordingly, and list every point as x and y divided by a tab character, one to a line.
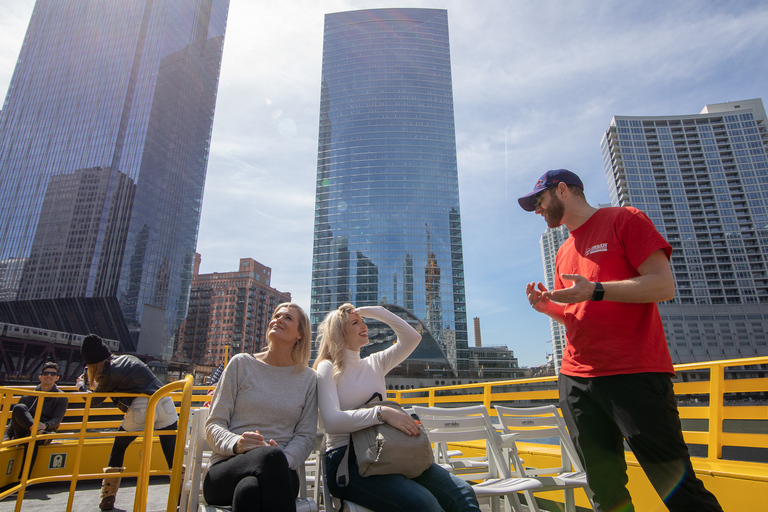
280	404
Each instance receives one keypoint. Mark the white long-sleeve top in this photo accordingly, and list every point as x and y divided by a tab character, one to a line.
339	399
280	404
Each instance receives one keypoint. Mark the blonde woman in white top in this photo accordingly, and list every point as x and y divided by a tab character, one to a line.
345	382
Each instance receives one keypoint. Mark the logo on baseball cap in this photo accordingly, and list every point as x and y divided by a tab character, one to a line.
548	180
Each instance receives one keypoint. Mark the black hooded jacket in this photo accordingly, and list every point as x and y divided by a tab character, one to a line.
125	374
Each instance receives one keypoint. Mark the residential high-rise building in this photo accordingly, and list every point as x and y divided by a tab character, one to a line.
227	309
550	242
104	139
703	181
387	216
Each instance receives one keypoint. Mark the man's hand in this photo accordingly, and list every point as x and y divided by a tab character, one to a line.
581	290
536	297
539	299
41	427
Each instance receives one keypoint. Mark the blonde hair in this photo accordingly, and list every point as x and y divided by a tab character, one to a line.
330	338
94	372
301	350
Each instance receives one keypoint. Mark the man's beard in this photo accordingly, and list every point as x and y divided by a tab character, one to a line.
555	211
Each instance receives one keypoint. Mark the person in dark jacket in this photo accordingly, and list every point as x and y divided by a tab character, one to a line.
23	413
106	373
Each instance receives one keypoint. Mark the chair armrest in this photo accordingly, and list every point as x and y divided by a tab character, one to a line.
507	440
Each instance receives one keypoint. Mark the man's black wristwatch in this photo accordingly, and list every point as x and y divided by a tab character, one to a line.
599	292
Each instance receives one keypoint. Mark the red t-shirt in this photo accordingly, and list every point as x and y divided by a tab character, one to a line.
605	337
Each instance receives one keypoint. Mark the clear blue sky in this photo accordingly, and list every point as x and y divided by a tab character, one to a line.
535	86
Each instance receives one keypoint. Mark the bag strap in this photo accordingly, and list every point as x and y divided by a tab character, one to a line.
343	470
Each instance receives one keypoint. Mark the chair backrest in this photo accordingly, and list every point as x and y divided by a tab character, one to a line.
542	422
197	450
462	425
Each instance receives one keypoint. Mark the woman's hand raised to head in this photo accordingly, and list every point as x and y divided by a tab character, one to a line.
400	420
250	440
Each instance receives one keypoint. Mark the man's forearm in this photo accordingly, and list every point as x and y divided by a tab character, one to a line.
654	284
554	310
640	290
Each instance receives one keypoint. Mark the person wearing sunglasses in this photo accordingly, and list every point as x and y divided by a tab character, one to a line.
23	413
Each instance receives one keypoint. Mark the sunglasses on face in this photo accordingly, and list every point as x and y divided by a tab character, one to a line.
538	198
52	374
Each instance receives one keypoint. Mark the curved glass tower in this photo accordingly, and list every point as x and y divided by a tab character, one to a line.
387	216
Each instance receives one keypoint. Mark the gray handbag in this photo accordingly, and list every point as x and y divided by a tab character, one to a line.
385	450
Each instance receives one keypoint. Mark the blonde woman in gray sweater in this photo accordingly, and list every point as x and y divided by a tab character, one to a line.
263	420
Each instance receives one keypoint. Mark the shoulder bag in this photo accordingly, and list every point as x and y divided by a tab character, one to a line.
385	450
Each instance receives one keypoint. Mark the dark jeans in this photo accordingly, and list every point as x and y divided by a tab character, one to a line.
21	422
603	411
435	490
258	480
167	443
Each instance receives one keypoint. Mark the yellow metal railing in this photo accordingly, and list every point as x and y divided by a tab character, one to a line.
715	389
712	409
92	430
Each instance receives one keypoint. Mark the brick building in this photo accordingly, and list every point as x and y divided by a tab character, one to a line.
227	309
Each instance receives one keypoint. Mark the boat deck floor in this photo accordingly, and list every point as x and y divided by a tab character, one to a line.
53	497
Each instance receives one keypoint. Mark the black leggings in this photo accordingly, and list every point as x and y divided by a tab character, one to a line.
256	481
167	443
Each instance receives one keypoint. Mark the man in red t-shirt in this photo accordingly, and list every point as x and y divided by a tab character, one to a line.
614	379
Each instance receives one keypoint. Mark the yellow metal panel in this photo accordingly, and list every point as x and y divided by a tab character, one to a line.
745	385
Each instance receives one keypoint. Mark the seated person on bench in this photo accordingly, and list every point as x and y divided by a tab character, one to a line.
23	413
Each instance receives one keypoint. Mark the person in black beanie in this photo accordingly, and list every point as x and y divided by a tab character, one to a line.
107	373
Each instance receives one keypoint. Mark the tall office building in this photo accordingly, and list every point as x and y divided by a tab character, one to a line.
104	139
227	309
387	216
703	181
550	242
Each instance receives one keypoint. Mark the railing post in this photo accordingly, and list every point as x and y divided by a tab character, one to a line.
181	441
142	482
716	391
88	397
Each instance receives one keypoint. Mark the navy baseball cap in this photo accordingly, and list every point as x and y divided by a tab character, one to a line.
548	180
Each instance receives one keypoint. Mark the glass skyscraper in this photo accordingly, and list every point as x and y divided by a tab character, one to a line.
387	216
703	181
104	139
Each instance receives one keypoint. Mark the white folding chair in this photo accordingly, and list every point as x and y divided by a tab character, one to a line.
466	424
193	461
545	422
196	459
